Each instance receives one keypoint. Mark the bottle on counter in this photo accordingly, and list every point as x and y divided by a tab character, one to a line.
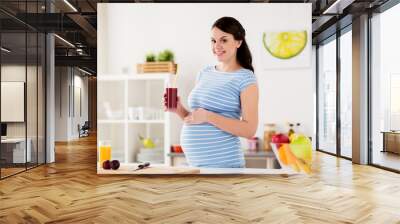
269	131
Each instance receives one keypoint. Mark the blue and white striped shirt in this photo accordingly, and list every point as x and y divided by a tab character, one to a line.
205	145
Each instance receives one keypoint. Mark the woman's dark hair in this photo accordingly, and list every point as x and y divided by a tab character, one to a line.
232	26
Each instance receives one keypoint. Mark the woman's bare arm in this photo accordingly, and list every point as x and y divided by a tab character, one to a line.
180	110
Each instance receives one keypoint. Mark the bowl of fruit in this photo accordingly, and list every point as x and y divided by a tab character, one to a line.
294	152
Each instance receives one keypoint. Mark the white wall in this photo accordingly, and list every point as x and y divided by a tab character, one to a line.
33	127
61	103
126	32
80	82
66	120
12	73
17	73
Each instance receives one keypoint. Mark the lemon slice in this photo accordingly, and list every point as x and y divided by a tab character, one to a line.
285	45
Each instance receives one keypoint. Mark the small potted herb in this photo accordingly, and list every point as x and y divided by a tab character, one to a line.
162	63
150	57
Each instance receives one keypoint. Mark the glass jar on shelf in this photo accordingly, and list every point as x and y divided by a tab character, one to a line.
269	131
252	144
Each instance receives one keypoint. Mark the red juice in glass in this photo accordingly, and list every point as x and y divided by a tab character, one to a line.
172	98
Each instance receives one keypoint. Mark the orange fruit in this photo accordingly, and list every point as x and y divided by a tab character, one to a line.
291	159
282	155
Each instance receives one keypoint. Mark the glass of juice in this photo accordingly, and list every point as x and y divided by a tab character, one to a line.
172	97
104	151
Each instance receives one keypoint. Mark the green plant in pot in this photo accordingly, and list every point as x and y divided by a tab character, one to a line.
166	55
150	57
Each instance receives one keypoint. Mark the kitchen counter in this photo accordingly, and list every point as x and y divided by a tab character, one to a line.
129	168
259	160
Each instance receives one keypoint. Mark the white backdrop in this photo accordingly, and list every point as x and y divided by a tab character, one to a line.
126	32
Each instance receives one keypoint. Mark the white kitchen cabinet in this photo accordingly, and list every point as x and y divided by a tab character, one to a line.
129	105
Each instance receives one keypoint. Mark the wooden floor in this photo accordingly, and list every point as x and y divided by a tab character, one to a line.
69	191
387	159
10	171
5	172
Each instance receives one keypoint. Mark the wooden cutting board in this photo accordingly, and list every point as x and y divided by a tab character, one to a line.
153	169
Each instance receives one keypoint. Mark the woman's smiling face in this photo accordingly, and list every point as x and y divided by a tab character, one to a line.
223	45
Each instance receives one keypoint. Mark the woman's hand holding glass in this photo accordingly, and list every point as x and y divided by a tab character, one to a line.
178	108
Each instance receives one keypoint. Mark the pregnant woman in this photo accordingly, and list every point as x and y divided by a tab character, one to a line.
223	103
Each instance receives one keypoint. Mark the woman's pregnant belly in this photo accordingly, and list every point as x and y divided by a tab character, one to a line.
205	145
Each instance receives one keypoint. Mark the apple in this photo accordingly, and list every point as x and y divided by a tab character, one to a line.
279	139
106	165
114	164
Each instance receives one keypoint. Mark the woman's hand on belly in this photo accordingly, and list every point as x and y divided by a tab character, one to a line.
198	116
